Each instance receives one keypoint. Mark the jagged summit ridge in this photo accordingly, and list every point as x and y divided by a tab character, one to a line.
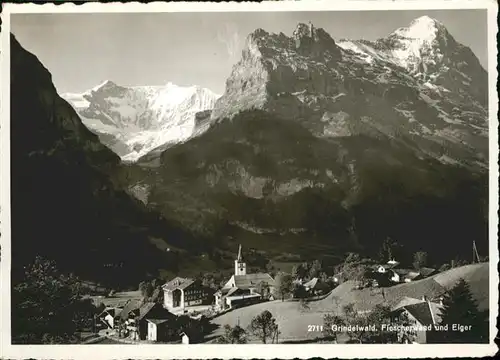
417	86
106	84
134	120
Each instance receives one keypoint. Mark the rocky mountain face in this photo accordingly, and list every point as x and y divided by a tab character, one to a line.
66	204
318	146
132	121
418	86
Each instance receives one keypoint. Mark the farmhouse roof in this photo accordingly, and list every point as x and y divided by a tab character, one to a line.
177	283
391	264
311	283
412	275
425	271
146	308
405	302
252	280
157	321
131	306
424	312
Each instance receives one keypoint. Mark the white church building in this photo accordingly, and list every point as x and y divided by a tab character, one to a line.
242	288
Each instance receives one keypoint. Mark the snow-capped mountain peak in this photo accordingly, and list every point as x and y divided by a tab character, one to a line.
427	51
423	29
135	120
106	84
424	42
417	83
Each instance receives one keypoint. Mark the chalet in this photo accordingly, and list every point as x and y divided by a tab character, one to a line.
311	284
384	268
130	309
138	325
402	275
181	293
423	316
109	316
243	288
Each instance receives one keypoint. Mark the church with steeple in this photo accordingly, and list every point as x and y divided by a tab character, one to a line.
243	287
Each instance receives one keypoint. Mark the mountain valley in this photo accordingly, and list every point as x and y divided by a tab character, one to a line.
317	147
315	143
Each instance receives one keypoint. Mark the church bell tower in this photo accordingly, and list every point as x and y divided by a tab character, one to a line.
240	268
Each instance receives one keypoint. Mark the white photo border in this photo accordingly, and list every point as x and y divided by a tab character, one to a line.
209	351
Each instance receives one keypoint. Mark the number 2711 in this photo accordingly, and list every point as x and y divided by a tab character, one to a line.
311	328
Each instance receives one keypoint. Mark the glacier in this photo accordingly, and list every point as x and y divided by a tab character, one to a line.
134	120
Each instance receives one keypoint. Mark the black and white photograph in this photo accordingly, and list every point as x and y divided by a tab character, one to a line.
249	174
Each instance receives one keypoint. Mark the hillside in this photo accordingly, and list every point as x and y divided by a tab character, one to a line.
477	275
66	206
259	176
293	321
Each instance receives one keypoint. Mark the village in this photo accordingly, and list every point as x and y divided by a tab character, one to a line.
184	310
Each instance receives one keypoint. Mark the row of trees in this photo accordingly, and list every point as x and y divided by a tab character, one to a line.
308	270
262	327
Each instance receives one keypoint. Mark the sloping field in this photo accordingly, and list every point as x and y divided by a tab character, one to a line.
293	321
293	324
477	275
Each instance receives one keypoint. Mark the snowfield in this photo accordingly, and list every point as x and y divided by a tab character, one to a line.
132	121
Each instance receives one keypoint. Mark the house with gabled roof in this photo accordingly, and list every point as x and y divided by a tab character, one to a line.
181	293
109	316
138	323
423	315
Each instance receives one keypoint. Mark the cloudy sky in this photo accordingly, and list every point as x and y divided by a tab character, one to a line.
83	50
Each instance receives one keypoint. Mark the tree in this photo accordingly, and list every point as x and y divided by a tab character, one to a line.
353	269
444	267
299	271
352	317
304	305
460	308
381	315
146	288
385	253
315	269
263	289
233	335
264	327
332	326
47	306
283	283
358	273
299	292
419	259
